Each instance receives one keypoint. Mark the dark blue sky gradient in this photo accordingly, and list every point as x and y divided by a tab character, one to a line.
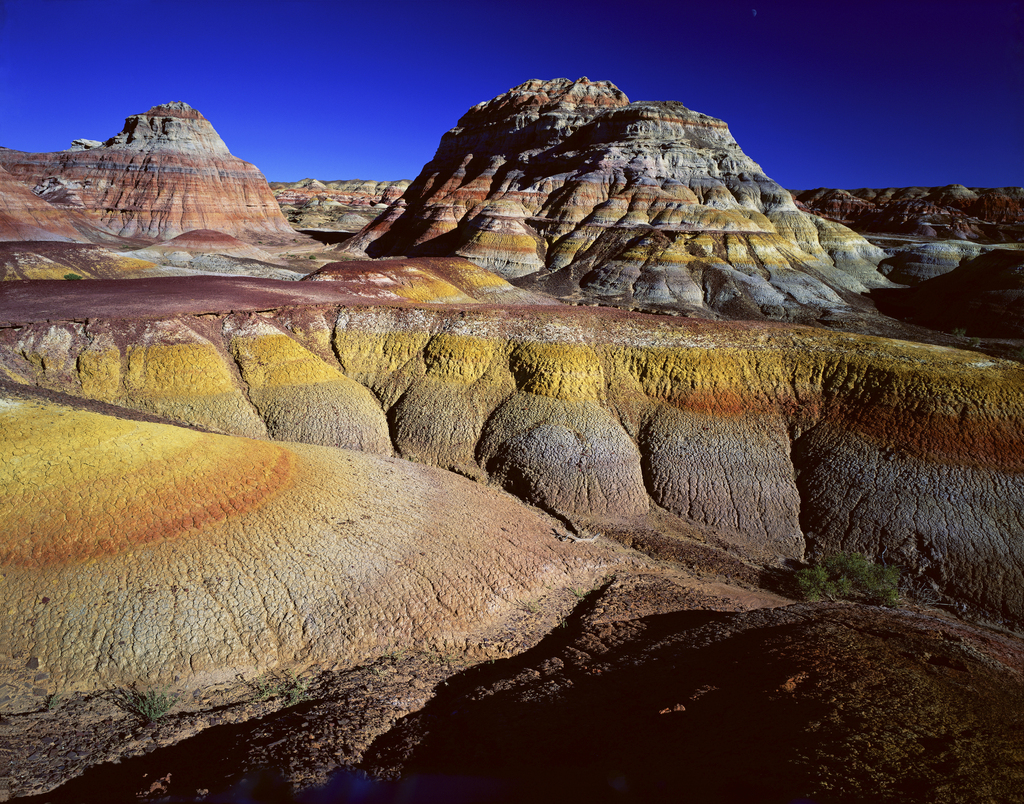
854	94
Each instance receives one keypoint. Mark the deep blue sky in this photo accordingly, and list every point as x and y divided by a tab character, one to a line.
838	94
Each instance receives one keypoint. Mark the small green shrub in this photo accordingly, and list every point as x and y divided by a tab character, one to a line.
959	332
291	688
974	342
850	576
150	705
72	276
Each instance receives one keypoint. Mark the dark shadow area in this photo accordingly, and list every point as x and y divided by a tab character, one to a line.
673	707
215	760
824	703
328	237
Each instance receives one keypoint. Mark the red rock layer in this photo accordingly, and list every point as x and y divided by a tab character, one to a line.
26	216
166	173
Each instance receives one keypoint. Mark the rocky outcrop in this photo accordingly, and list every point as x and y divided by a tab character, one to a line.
166	173
772	440
991	214
335	205
915	262
348	192
568	187
138	552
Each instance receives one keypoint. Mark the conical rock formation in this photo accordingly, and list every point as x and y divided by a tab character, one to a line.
166	173
568	186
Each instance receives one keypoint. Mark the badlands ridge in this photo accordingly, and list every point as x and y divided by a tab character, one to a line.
233	450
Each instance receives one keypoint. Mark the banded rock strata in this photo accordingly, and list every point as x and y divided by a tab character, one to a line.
166	173
437	280
26	216
771	439
568	187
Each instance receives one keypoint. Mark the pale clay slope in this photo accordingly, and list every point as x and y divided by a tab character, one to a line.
301	553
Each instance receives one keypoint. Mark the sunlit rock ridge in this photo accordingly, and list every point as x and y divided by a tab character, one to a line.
166	173
569	187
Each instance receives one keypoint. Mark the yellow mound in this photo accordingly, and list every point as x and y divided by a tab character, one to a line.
79	486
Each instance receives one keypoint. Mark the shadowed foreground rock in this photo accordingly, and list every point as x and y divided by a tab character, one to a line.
637	697
830	704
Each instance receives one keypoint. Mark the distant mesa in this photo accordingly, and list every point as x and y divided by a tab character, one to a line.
166	173
567	187
343	206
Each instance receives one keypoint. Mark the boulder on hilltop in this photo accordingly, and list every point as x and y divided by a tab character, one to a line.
567	187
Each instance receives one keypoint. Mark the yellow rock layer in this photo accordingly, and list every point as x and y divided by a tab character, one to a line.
79	486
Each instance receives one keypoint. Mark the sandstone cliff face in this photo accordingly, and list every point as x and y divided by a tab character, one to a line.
993	214
166	173
774	440
569	187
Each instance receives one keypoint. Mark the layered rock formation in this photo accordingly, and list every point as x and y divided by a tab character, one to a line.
771	440
209	252
915	262
335	205
166	173
992	214
569	187
348	192
136	551
25	216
